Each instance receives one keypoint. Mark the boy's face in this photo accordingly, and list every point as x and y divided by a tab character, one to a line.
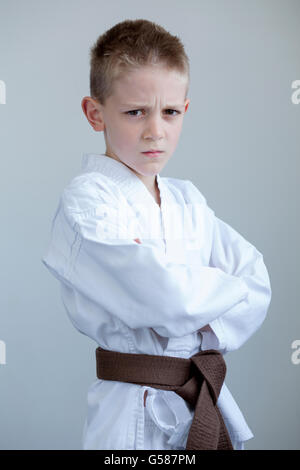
145	112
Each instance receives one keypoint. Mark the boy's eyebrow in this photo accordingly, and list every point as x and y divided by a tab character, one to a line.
146	106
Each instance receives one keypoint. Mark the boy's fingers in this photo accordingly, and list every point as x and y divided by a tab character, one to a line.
137	240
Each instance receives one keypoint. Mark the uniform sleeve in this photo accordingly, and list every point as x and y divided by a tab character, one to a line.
237	257
135	283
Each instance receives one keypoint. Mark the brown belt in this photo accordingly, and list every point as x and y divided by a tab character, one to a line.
198	380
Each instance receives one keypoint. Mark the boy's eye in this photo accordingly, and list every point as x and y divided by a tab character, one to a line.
136	110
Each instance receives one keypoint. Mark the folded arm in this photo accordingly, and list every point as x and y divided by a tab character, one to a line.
236	256
134	281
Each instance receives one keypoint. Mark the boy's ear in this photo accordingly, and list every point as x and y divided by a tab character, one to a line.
92	112
187	102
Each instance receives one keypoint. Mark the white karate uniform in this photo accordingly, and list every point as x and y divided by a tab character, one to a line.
190	270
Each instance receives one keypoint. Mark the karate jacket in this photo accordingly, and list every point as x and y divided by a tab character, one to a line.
192	283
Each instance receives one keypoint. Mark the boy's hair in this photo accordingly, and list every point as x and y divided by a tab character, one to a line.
129	45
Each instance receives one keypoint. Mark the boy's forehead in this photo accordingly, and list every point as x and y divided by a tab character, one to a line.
131	89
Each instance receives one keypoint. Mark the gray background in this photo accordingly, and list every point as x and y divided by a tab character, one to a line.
239	145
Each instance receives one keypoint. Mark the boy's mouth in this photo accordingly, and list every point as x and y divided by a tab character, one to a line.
153	153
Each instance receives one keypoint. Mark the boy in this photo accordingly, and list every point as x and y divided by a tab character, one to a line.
146	268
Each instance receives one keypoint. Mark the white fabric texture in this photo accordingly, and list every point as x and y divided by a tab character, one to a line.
193	283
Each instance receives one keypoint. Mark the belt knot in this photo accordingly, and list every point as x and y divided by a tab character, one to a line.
198	380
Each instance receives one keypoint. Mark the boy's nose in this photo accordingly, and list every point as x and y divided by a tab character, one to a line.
154	129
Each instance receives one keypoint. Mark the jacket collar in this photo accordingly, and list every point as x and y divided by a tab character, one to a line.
128	182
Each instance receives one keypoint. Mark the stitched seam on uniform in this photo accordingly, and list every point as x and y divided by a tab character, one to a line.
140	421
70	258
127	333
129	443
85	213
75	248
132	348
180	351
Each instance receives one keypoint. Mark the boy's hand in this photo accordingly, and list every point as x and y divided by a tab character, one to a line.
137	240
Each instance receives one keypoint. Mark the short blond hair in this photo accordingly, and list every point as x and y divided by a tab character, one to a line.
129	45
